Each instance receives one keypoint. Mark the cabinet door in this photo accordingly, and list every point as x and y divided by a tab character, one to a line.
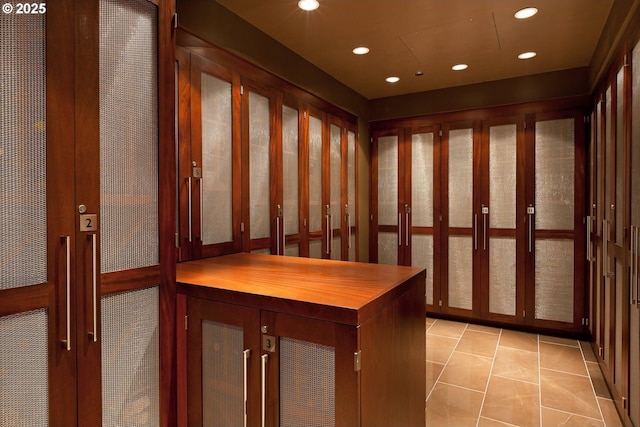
554	217
262	232
37	274
291	183
351	247
462	234
314	242
212	175
500	191
333	227
223	353
385	193
634	283
308	376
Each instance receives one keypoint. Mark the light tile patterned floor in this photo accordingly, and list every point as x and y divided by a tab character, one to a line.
485	377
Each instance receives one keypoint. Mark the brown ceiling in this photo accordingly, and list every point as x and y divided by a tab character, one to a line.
406	36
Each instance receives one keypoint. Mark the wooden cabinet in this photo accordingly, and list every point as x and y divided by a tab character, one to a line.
613	232
262	166
84	121
302	342
493	206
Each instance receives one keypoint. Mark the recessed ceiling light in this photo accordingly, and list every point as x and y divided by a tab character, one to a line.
459	67
527	55
308	4
362	50
419	73
525	13
392	79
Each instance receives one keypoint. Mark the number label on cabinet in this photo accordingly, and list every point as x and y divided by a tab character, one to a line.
88	222
269	343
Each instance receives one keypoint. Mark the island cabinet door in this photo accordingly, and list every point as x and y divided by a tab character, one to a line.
223	353
307	372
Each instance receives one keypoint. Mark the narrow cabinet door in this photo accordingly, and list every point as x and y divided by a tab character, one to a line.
291	217
462	224
315	211
385	187
223	353
350	247
37	270
554	217
307	374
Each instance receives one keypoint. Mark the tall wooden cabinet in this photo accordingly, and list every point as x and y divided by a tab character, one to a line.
262	166
81	281
492	205
613	233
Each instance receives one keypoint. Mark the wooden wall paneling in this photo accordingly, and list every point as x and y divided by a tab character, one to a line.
185	82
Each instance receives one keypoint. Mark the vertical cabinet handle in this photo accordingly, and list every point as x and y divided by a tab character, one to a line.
485	212
407	211
632	287
246	354
66	343
346	212
606	226
399	229
637	258
94	281
278	217
328	220
588	239
530	213
263	369
190	204
201	183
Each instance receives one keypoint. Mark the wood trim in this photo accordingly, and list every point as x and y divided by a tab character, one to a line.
129	280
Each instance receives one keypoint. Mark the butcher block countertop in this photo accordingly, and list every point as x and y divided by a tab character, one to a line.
337	291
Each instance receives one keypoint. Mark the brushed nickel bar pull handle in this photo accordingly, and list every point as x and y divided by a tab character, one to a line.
263	367
327	219
475	231
588	239
485	212
94	282
605	258
67	342
278	230
246	354
190	213
201	183
407	210
399	229
346	211
637	257
530	213
634	266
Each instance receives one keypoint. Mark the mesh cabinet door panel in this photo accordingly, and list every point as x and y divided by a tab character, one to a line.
259	176
307	384
335	154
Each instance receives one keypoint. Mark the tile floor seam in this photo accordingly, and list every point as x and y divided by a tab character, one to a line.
473	354
568	373
457	386
514	379
444	366
486	386
560	344
497	421
572	413
586	366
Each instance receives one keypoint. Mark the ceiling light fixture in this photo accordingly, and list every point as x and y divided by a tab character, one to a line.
525	13
392	79
459	67
362	50
308	5
527	55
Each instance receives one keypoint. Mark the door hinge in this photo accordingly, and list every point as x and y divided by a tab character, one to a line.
242	227
439	303
174	20
357	360
524	313
186	322
585	321
440	132
177	240
624	402
241	90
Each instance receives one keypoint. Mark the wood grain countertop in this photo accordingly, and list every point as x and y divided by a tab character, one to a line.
338	291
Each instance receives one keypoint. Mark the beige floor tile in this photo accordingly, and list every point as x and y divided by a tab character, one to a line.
447	328
482	328
597	379
519	340
609	413
558	340
453	406
440	348
487	422
568	392
562	358
433	372
513	402
554	418
467	370
516	364
478	343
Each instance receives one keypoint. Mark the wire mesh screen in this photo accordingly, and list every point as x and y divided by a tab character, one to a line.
461	272
259	162
502	176
554	279
460	178
23	204
24	386
422	202
307	384
335	186
502	275
422	256
290	162
217	160
128	134
130	359
222	375
315	174
388	180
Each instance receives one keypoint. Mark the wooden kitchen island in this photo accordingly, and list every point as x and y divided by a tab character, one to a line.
285	341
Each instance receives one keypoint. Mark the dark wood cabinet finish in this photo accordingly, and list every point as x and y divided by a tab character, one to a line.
374	312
